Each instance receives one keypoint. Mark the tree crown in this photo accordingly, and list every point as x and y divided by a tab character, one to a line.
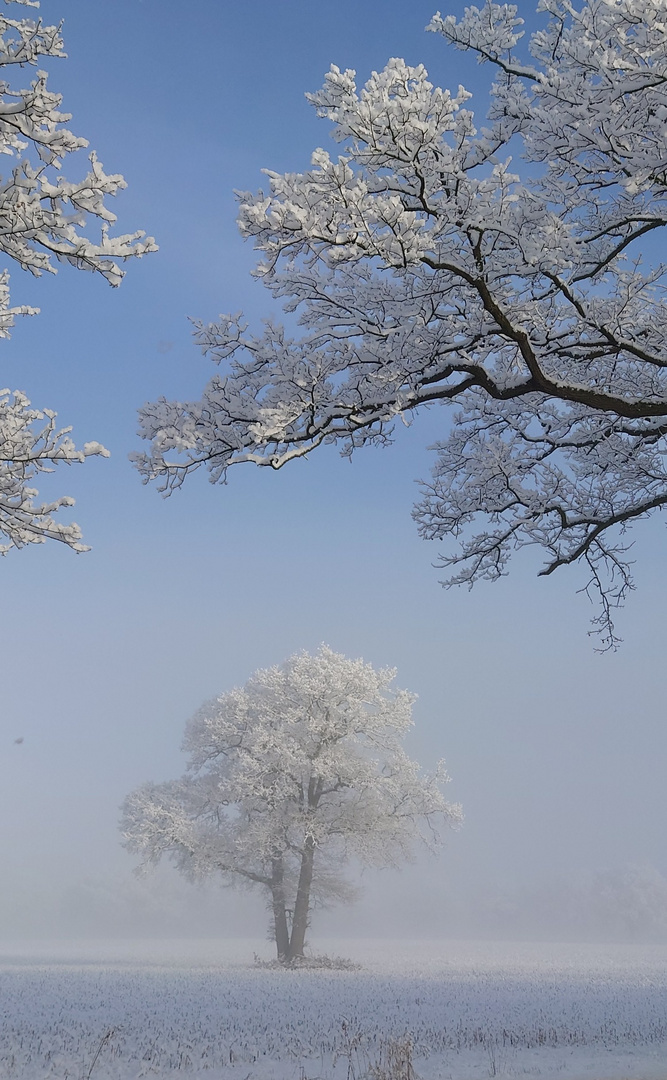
427	265
304	760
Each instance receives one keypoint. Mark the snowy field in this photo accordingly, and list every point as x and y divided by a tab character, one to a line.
171	1009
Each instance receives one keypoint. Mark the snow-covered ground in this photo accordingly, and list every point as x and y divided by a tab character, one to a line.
471	1010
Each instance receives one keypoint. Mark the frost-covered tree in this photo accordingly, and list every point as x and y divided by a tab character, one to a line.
289	777
42	217
629	902
427	265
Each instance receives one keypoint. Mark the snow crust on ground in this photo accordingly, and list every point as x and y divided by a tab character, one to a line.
199	1008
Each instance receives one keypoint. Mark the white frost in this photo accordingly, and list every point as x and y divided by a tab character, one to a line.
423	269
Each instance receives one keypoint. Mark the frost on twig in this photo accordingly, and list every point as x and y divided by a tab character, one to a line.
31	443
42	221
429	263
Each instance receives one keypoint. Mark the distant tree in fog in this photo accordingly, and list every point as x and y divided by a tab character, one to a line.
289	777
629	902
621	903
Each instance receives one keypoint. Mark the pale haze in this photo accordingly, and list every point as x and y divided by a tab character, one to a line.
556	752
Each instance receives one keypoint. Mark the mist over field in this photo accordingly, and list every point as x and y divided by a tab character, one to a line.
623	905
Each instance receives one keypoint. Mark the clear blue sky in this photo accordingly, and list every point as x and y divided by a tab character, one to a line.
557	753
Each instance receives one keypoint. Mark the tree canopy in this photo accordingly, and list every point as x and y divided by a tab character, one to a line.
289	777
427	263
43	215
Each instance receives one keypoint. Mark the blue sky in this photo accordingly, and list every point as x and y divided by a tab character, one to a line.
555	751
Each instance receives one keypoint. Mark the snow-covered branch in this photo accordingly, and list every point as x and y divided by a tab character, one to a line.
426	264
31	443
44	220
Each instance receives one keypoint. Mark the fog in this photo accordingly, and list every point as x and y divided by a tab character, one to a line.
555	751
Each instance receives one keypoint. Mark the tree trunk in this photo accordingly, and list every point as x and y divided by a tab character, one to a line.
281	932
302	904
